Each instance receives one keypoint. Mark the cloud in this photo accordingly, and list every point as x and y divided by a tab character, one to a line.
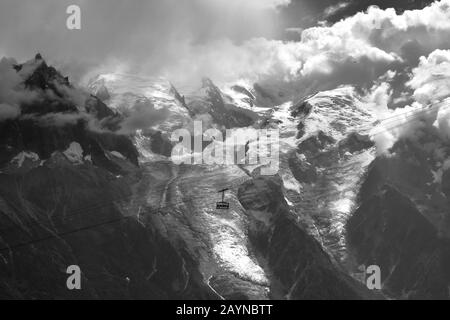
12	90
8	112
406	122
9	80
57	119
13	93
431	79
443	121
230	40
429	113
224	40
361	48
377	99
430	82
143	116
148	35
333	9
356	51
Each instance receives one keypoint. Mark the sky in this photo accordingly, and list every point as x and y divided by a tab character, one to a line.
150	34
180	39
158	36
184	40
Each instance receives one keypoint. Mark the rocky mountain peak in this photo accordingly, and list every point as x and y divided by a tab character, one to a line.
45	77
59	116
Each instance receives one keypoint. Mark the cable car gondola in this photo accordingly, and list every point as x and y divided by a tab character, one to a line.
222	205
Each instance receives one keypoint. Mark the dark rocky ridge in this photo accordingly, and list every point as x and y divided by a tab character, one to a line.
299	267
398	224
389	231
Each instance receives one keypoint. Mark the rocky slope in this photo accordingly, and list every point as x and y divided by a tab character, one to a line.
65	194
402	222
298	265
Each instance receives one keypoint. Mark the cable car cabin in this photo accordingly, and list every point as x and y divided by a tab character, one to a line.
223	205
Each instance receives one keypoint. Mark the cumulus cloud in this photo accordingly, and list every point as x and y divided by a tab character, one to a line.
431	79
430	82
442	122
356	51
360	49
406	122
429	113
377	99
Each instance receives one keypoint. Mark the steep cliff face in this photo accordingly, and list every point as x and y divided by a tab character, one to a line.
298	266
387	230
402	222
211	101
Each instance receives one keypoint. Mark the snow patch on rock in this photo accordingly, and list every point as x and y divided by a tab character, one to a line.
118	155
21	157
74	153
